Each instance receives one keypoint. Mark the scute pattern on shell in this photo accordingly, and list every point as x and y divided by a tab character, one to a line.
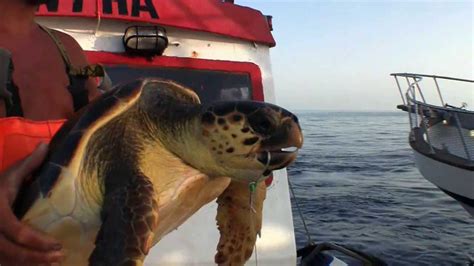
75	128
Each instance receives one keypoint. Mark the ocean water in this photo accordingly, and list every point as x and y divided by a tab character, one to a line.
357	184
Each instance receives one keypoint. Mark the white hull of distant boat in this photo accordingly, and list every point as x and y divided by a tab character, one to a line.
455	181
442	138
222	51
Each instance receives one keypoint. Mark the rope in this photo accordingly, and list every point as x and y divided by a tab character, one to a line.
252	189
99	15
256	254
310	241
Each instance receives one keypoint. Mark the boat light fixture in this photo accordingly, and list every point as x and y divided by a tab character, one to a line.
145	40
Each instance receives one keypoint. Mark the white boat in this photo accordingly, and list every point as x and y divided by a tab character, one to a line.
219	49
441	136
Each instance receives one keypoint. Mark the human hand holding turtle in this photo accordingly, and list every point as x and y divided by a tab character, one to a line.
19	243
143	158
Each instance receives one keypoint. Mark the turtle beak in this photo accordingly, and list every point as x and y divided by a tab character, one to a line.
281	140
281	149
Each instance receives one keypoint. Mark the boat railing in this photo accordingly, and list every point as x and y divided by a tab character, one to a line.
437	129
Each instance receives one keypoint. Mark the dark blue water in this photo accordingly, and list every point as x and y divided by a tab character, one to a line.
358	185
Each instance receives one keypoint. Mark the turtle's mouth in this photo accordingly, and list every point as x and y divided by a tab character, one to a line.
277	158
280	149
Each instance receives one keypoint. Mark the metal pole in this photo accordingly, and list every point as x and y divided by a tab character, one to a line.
458	122
413	90
419	89
430	76
439	92
409	112
400	90
413	94
408	82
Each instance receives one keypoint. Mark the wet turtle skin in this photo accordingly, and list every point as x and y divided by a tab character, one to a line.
140	160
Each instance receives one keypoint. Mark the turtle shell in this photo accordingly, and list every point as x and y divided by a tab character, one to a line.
72	139
114	182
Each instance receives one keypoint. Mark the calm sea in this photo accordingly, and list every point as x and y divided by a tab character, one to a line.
358	185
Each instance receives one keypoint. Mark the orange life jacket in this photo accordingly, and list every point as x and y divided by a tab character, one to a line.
19	137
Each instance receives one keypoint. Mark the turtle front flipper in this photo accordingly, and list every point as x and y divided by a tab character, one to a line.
129	216
239	220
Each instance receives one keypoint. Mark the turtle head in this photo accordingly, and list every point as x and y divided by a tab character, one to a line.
247	140
244	140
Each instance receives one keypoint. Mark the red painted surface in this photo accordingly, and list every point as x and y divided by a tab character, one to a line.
200	15
269	181
107	58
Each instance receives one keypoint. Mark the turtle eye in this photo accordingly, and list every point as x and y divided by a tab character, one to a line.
262	123
208	118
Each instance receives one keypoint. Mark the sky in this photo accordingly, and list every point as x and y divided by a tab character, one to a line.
338	55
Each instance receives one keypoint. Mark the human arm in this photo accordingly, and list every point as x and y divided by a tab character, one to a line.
19	243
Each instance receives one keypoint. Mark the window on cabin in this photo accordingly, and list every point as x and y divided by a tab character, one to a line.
210	85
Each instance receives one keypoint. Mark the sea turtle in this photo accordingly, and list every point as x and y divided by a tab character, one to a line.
140	160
